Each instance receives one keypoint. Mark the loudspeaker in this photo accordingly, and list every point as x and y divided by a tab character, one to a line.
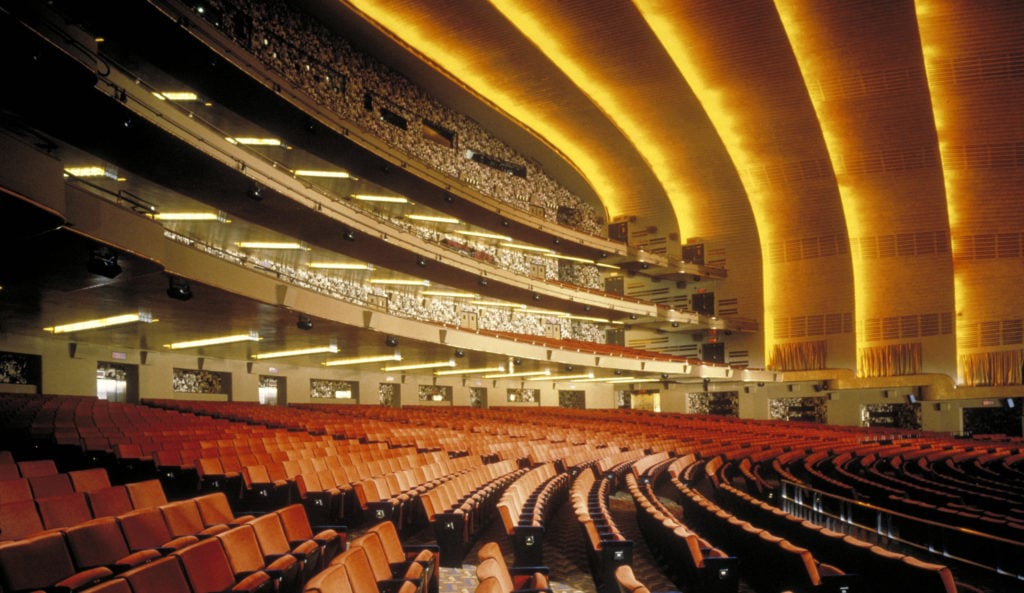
72	348
143	356
199	362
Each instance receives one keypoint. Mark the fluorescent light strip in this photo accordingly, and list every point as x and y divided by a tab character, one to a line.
522	247
101	323
484	235
91	171
396	282
608	380
469	371
581	260
428	218
319	173
502	304
543	312
249	337
519	374
362	360
268	245
249	141
450	294
583	376
386	199
609	266
585	318
300	352
418	366
339	266
176	96
191	216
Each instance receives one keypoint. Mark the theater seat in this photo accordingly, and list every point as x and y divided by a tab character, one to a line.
146	529
274	543
207	569
64	510
146	494
19	519
533	577
245	556
100	542
333	579
43	562
297	529
165	575
361	578
109	502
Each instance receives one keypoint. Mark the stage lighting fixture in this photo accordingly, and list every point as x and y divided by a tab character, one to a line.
304	322
255	192
391	341
179	289
459	353
103	261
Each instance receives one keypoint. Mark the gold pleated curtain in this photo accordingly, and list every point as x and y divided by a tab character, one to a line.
992	368
890	360
798	356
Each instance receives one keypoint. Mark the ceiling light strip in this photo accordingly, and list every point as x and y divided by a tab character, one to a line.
298	352
362	360
418	366
101	323
249	337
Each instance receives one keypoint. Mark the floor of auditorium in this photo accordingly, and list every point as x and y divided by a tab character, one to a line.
565	556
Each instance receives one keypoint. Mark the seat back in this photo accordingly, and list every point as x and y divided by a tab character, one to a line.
19	519
295	522
491	568
182	517
144	529
145	494
96	543
333	579
206	566
165	575
390	539
360	573
37	467
270	534
35	563
117	585
64	510
50	485
214	509
109	502
14	490
88	480
242	549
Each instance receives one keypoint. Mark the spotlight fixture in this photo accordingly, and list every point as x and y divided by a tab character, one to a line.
459	353
179	289
504	222
391	341
421	262
103	261
517	361
255	192
482	281
304	322
348	234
